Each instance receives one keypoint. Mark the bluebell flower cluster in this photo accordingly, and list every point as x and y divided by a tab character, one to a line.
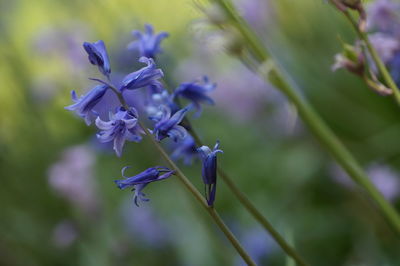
164	113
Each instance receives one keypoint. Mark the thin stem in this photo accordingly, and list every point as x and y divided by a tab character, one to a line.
249	206
312	119
375	56
192	189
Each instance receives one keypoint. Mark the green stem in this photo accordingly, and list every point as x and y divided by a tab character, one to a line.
312	119
249	206
192	189
374	54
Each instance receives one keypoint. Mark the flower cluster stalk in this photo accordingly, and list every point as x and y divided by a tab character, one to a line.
192	189
310	116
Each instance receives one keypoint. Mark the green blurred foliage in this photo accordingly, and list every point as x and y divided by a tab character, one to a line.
287	176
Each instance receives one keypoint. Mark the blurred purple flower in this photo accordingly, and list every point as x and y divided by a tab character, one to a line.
209	170
383	16
141	180
146	76
386	45
97	54
147	43
185	149
144	226
258	244
196	92
383	177
64	234
72	178
122	126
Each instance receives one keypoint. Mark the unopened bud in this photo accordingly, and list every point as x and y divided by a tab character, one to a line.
215	14
233	42
351	59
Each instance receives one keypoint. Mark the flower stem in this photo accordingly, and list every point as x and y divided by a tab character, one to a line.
374	55
192	189
311	118
249	206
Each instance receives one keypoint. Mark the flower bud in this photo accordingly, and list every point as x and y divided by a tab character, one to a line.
215	14
351	59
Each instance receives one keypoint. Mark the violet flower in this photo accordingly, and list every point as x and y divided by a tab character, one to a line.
98	56
167	124
196	92
121	127
147	43
209	170
146	76
85	104
140	181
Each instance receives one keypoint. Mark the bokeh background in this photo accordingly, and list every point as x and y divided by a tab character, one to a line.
58	202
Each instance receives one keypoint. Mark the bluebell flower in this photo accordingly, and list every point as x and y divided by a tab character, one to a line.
146	76
121	127
147	43
185	149
196	92
209	170
167	124
85	104
98	56
140	181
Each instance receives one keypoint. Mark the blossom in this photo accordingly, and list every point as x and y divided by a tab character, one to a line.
140	181
167	124
122	126
382	15
85	104
146	76
209	170
385	45
147	42
185	149
98	56
196	92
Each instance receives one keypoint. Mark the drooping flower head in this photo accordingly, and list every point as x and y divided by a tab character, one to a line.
147	43
121	127
209	170
98	56
146	76
85	104
140	181
185	149
196	92
167	124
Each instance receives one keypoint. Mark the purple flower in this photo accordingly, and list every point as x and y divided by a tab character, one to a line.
185	149
196	92
85	104
167	124
209	170
147	42
122	126
382	15
395	68
98	56
386	45
146	76
140	181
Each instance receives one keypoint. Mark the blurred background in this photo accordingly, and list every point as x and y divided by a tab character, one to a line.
58	202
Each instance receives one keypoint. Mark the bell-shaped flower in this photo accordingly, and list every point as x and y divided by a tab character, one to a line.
98	56
85	104
209	170
167	125
196	92
147	43
140	181
121	127
146	76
